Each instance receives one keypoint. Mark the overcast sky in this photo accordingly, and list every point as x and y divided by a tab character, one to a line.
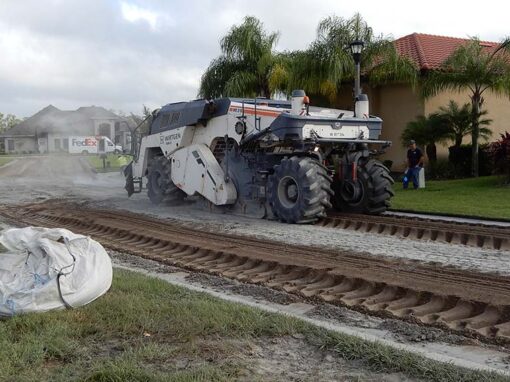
121	54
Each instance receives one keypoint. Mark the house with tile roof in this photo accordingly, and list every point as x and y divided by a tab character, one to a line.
398	104
49	129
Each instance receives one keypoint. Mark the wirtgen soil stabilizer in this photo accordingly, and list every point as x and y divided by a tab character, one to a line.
275	159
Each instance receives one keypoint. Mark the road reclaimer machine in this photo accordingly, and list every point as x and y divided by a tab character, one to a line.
285	160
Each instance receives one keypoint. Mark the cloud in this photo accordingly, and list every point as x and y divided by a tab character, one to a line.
124	53
133	13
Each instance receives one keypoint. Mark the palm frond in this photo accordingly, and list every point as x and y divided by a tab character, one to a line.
484	133
248	41
426	130
328	59
212	83
245	65
241	84
392	68
279	78
471	67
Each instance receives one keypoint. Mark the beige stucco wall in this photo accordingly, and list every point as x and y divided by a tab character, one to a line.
497	106
396	105
344	99
399	104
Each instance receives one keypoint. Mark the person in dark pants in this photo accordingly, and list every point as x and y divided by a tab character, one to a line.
414	164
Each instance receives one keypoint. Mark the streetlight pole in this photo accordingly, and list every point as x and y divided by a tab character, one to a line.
356	49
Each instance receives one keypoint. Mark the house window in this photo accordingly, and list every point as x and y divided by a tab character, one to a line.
104	130
57	144
10	145
65	142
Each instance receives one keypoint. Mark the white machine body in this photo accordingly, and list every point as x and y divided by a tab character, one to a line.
195	170
190	148
329	131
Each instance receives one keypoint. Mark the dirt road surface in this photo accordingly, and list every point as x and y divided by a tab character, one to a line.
69	178
56	168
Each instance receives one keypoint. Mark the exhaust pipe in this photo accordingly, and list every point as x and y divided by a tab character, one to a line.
361	106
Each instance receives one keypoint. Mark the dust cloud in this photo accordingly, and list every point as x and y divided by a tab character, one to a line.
48	168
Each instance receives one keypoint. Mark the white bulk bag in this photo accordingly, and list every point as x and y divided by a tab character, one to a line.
43	269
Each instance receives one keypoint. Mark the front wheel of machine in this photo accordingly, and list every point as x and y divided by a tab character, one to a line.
369	194
160	187
299	190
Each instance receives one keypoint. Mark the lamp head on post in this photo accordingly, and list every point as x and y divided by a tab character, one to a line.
356	49
360	100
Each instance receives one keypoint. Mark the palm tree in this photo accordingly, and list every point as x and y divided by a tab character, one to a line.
247	67
427	131
327	63
475	68
459	120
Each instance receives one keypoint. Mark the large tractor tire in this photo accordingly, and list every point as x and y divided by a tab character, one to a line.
299	190
369	194
160	187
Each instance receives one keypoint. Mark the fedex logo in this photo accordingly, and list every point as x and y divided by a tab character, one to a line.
89	142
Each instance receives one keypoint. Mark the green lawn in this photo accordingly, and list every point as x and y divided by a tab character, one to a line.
5	160
116	161
484	197
145	329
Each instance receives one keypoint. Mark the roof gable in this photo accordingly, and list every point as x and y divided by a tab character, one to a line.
52	119
428	51
96	112
29	125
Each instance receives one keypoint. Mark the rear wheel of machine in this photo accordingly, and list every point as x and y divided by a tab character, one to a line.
299	190
369	194
160	187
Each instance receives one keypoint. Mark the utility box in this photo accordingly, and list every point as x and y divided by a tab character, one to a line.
421	178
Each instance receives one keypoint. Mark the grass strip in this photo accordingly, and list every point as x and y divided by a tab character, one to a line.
487	197
116	161
5	160
144	328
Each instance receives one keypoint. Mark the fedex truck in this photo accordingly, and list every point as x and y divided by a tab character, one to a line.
93	145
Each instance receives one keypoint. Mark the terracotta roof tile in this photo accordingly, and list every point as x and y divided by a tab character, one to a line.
429	51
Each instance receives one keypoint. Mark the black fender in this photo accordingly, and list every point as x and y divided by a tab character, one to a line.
128	174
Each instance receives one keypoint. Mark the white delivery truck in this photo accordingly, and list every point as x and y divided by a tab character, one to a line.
93	145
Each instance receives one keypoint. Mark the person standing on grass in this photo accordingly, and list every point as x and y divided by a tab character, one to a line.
414	164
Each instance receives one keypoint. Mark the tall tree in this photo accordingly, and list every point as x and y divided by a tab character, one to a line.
248	65
327	63
475	68
8	121
459	120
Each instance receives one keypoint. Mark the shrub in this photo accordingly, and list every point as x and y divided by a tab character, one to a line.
499	153
440	169
460	158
